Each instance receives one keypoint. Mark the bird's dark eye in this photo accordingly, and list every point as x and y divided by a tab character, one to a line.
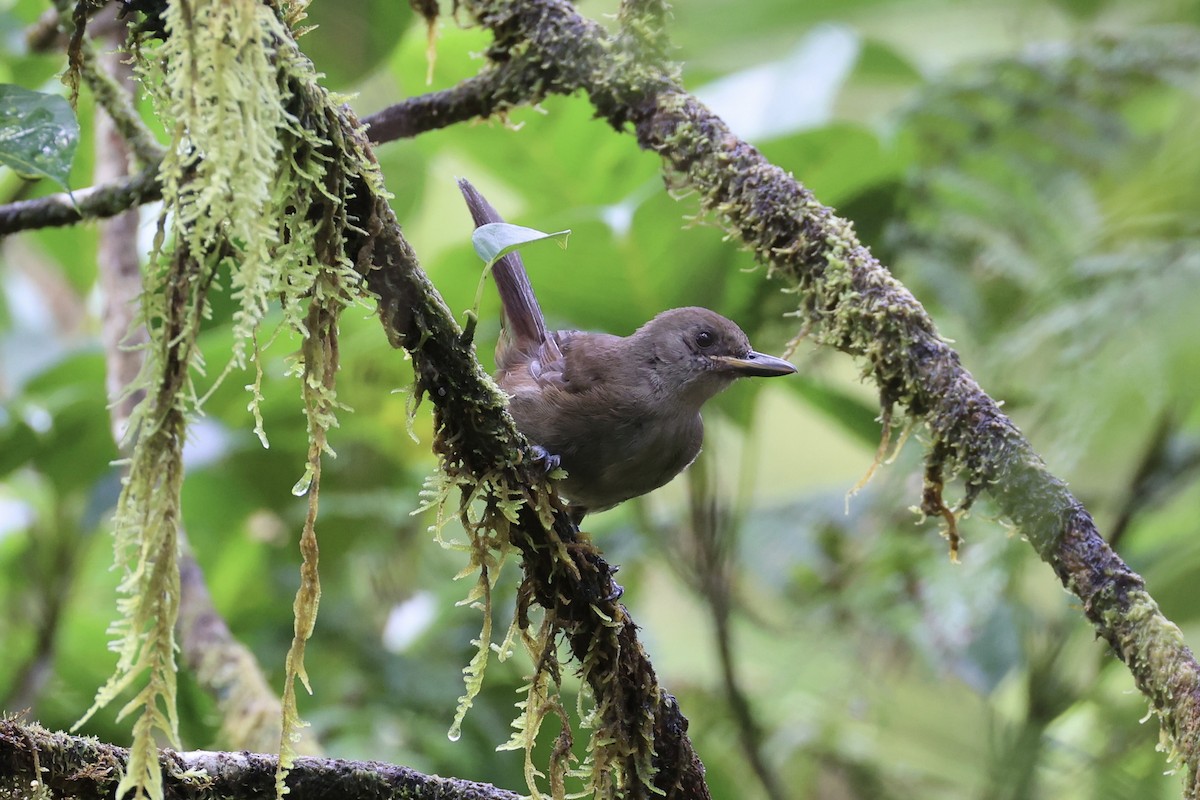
705	339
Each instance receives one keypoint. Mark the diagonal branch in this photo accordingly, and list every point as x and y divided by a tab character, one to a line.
565	574
118	103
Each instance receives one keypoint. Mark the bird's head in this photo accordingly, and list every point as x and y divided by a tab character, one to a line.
693	353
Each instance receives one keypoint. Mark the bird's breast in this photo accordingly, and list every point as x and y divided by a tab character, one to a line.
611	450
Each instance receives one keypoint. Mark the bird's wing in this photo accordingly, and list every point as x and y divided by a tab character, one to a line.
570	362
532	367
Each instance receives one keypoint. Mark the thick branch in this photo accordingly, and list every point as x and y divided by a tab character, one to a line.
857	306
80	767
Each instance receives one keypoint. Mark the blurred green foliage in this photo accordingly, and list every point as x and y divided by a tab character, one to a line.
1029	169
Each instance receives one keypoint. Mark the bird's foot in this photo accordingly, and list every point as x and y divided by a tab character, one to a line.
543	456
615	590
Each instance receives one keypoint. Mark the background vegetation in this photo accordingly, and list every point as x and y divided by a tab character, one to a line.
1029	169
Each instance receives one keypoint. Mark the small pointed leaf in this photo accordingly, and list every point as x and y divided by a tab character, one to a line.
38	133
497	239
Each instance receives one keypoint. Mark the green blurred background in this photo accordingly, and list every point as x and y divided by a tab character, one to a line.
1031	170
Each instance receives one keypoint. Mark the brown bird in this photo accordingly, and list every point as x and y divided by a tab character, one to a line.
620	414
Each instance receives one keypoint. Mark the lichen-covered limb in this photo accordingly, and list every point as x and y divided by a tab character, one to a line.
118	102
84	768
854	304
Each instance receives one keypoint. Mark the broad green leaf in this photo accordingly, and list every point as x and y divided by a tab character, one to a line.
38	133
497	239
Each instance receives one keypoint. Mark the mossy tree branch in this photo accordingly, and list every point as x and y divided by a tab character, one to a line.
97	202
33	759
477	97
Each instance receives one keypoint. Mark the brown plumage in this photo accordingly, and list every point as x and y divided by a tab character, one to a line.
620	414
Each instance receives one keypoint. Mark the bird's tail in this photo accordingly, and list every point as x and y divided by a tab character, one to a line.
522	315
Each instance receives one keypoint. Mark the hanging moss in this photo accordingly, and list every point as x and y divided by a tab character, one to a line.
262	212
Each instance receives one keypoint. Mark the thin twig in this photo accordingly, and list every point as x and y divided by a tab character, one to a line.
478	97
96	202
119	105
710	549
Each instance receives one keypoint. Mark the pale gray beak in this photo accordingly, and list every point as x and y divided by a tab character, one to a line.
756	365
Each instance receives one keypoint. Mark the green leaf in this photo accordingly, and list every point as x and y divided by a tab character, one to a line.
38	133
497	239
